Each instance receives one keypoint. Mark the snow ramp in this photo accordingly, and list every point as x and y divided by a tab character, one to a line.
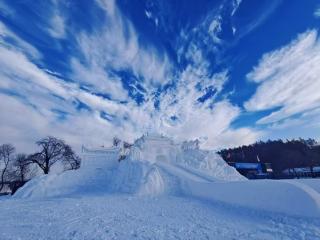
154	169
279	196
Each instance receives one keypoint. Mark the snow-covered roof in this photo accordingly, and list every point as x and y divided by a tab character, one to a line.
247	165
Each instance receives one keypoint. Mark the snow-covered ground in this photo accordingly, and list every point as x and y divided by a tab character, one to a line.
133	217
162	190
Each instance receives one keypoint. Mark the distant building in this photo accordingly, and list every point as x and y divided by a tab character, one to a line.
302	172
253	170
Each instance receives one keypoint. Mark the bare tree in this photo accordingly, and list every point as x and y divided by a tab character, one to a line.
116	141
6	152
71	161
22	167
127	145
53	150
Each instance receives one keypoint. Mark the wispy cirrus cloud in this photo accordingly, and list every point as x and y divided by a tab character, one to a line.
116	46
288	78
317	12
6	35
5	9
57	26
40	98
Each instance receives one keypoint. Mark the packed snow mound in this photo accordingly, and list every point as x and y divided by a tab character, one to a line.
141	178
154	165
208	163
93	177
130	177
82	182
159	149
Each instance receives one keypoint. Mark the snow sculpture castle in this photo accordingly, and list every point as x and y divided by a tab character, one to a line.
153	147
150	147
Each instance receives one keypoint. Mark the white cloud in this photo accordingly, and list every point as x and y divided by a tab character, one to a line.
6	10
114	46
215	28
236	137
29	116
307	125
209	121
36	87
148	14
309	119
20	75
259	19
96	75
35	93
19	43
288	78
57	26
317	12
20	124
236	5
14	64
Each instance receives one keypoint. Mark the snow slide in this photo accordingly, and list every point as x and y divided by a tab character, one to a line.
285	197
143	172
156	166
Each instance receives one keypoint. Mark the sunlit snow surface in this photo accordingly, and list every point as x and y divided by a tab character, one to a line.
162	190
132	217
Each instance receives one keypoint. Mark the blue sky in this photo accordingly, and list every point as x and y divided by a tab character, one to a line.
226	72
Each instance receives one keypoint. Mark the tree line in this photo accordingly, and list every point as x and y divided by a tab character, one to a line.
289	154
16	169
